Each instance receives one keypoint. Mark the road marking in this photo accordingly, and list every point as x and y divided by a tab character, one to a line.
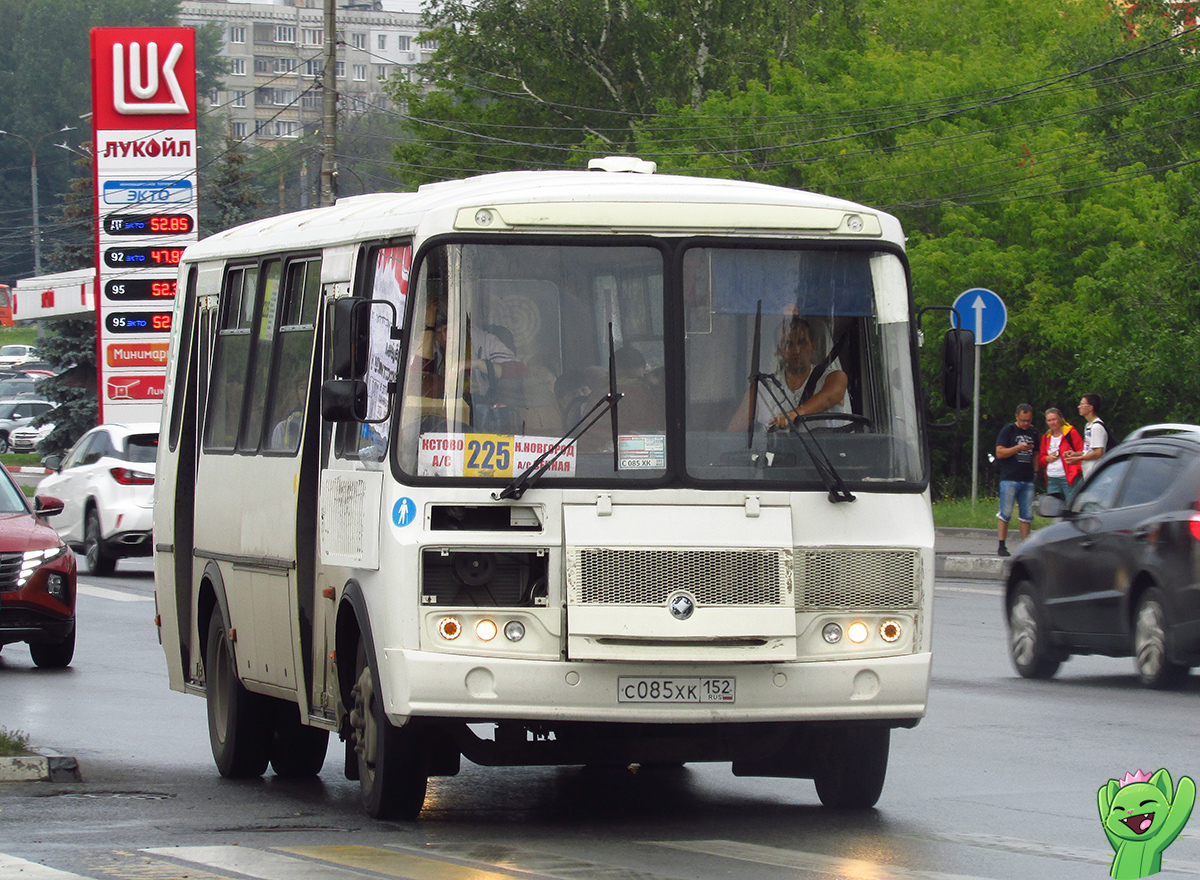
114	595
537	862
12	868
941	588
395	864
806	861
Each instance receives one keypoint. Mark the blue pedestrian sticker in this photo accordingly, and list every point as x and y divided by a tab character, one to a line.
404	512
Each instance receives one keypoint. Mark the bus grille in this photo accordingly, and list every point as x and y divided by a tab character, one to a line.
600	576
857	579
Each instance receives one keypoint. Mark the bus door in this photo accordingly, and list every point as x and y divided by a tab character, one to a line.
253	437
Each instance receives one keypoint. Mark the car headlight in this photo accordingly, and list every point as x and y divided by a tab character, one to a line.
32	560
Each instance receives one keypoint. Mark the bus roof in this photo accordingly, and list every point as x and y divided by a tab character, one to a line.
560	201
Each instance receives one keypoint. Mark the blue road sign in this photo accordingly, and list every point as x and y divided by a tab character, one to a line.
981	311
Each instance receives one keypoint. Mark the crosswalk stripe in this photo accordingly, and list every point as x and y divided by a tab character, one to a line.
393	863
114	595
12	868
797	860
254	862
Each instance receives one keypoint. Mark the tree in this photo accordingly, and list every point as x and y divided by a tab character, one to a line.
71	351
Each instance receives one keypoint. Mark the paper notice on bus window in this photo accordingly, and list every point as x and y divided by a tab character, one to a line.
642	452
488	455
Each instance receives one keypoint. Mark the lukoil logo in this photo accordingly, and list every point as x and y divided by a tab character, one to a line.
145	88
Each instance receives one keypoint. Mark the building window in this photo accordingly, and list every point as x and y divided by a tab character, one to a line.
310	100
312	36
238	67
358	41
264	65
383	41
238	129
285	34
360	73
237	35
313	67
341	70
405	43
239	99
381	71
285	97
286	65
213	97
285	129
431	45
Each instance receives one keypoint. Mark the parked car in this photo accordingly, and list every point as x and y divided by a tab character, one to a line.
1119	573
14	355
106	485
27	438
17	413
37	579
18	385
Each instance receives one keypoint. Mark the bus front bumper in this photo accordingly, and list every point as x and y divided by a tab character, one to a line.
427	685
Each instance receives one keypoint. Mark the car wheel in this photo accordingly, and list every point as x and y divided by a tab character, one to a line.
1028	642
99	562
297	751
853	766
53	655
1150	653
392	773
239	721
3	443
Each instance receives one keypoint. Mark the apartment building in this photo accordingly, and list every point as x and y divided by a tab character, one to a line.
275	53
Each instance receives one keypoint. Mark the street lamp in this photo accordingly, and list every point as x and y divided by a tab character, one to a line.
33	186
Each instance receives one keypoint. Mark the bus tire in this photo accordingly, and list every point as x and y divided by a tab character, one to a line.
297	750
239	723
853	766
392	772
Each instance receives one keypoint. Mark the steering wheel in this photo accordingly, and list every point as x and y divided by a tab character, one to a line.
858	423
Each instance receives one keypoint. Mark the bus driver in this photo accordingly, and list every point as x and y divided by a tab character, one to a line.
795	354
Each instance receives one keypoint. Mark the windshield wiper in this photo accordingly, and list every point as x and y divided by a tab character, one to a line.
606	404
778	395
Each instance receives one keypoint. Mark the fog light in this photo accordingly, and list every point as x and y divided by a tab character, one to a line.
485	630
832	633
857	632
514	630
889	630
449	628
56	586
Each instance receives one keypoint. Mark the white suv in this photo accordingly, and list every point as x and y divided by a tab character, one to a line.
19	412
15	355
106	484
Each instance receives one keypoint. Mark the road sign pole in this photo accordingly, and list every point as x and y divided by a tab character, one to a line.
975	420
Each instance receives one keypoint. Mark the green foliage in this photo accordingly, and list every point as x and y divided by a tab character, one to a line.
70	347
229	196
13	743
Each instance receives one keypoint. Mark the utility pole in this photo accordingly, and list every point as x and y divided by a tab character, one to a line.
329	109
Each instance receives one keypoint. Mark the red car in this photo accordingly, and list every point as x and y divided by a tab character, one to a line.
37	579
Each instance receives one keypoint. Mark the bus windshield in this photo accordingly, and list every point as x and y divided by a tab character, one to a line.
509	347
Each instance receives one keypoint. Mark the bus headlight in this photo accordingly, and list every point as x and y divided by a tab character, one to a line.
514	630
832	633
857	632
485	630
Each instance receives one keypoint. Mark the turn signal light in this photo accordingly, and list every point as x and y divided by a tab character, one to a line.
449	628
889	630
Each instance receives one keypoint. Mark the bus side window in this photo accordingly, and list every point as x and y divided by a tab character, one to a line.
231	359
288	392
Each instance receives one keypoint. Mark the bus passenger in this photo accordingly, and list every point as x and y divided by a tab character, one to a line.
795	355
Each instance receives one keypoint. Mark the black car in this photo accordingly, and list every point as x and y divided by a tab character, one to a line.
1119	573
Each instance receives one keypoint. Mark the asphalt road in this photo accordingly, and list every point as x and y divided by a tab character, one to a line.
998	782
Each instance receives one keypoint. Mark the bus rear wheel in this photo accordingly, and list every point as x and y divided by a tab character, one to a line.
853	766
239	721
392	767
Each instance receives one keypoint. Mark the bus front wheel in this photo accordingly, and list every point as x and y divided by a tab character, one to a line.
852	766
392	770
239	723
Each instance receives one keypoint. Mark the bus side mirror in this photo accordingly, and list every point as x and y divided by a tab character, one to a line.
344	400
350	337
958	368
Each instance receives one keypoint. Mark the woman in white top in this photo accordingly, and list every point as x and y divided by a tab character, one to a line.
795	354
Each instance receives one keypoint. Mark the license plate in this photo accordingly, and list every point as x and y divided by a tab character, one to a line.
675	690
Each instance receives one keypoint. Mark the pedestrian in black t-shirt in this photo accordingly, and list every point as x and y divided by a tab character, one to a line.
1016	450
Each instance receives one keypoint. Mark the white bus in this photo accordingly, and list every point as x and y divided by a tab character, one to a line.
512	468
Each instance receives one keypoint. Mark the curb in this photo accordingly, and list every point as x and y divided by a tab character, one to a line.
40	768
29	470
967	566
